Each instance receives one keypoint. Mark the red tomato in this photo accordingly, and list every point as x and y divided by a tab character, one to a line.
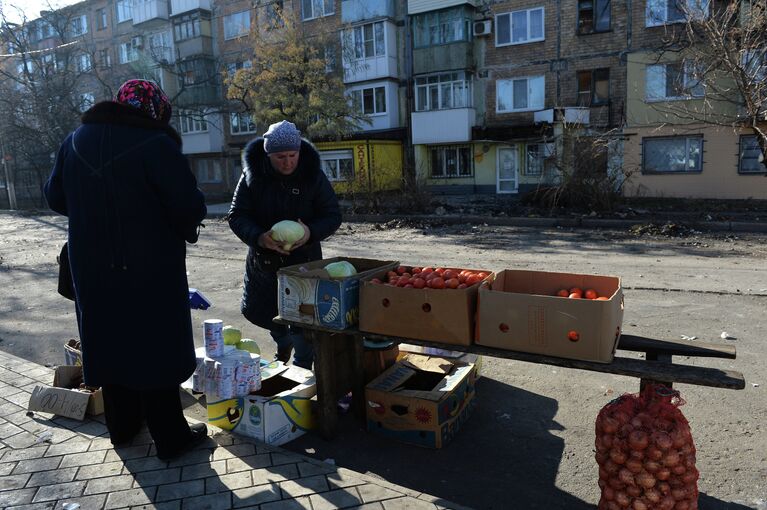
575	295
577	290
406	274
375	280
462	286
448	274
392	273
437	283
452	283
409	286
439	270
402	269
573	336
472	279
483	274
603	298
427	270
403	280
416	270
419	283
590	294
563	293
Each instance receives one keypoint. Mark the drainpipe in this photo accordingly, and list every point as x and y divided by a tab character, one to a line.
409	171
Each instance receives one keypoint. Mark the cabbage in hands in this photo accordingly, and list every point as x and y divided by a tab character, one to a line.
287	233
340	269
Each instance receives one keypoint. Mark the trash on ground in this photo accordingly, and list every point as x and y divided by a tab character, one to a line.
45	437
688	338
726	336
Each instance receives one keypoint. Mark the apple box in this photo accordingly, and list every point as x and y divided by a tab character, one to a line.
65	398
520	311
438	315
307	293
279	412
421	400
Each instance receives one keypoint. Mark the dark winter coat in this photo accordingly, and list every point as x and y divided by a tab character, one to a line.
132	203
262	198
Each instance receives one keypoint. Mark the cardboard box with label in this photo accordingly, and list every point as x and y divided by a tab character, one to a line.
279	412
520	311
439	315
466	357
421	400
64	398
307	294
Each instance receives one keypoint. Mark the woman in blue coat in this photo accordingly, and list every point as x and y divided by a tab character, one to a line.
133	204
281	180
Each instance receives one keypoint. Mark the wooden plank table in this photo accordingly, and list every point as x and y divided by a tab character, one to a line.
339	364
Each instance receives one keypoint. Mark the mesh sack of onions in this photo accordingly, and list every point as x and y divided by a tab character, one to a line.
645	453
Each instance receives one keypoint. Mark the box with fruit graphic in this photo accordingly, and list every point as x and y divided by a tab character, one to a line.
424	303
574	316
318	293
422	400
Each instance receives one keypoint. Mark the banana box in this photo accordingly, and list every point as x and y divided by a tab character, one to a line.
308	294
279	412
422	400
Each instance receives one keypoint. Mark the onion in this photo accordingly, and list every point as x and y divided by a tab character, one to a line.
662	424
651	466
603	474
611	467
612	505
622	499
679	469
616	484
671	458
625	476
636	454
663	474
678	438
636	422
652	495
682	505
609	425
690	477
638	440
602	483
662	440
618	456
639	505
666	503
607	440
680	493
633	491
654	453
645	480
621	417
608	493
634	465
664	488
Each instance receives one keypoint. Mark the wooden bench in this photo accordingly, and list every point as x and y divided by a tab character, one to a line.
339	357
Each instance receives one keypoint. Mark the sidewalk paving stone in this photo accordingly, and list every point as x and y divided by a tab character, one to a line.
79	465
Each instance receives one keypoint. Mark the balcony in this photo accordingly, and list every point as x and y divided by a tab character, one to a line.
418	6
145	11
197	46
568	115
353	11
198	95
443	126
181	6
432	59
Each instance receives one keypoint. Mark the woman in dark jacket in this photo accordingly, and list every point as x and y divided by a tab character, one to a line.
132	204
281	180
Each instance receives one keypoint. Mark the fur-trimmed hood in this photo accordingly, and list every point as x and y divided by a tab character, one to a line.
111	112
255	163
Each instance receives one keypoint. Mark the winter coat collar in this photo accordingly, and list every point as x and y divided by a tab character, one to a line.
110	112
255	162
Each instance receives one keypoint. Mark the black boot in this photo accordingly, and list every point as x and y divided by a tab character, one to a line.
283	354
197	434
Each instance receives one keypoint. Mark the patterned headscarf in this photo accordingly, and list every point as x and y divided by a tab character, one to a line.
147	96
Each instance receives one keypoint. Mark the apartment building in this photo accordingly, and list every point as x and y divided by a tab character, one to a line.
672	152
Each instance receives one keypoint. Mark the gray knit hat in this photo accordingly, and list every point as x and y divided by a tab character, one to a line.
282	136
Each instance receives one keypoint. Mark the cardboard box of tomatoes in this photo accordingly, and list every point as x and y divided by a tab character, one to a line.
574	316
308	294
424	303
422	400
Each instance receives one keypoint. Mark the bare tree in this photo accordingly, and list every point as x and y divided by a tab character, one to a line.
721	55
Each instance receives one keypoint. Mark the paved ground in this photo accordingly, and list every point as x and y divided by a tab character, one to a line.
78	465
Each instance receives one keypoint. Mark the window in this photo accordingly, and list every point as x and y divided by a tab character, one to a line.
79	25
368	40
233	67
311	9
242	123
672	154
441	27
751	158
534	155
442	91
593	16
451	161
370	101
338	165
754	63
519	27
161	47
236	25
274	12
83	63
101	19
593	87
46	30
186	27
208	170
662	12
124	10
191	122
673	81
128	52
520	94
86	101
330	59
104	58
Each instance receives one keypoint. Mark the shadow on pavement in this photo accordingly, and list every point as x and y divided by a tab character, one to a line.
706	502
474	470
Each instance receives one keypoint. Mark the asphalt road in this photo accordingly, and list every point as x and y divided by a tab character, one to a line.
530	441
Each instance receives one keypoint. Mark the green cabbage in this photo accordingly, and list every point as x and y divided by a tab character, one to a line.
287	232
248	344
340	269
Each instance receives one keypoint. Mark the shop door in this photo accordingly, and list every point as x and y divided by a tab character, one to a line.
508	170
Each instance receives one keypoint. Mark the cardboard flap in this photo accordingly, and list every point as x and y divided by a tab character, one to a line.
428	363
68	376
59	401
